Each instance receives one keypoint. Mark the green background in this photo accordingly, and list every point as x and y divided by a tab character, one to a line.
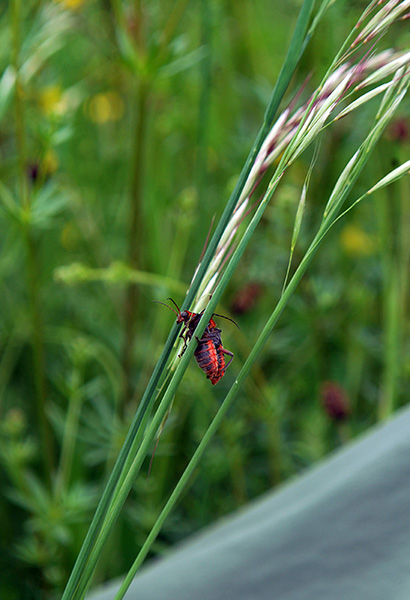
124	136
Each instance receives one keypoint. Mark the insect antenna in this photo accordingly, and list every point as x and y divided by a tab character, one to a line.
227	318
170	307
175	304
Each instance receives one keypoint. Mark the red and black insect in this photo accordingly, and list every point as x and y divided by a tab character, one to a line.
209	354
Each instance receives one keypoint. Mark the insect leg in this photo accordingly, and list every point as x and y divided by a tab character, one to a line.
229	354
184	336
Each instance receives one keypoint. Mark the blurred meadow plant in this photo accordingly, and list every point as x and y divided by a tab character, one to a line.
284	140
105	206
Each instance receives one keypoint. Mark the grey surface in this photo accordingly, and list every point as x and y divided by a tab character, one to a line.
339	532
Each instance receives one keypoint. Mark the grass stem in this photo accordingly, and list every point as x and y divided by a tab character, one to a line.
135	239
31	252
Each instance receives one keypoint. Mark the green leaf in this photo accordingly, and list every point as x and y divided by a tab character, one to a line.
9	203
7	87
182	63
116	273
47	204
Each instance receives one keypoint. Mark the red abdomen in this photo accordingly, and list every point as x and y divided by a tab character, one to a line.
209	354
207	358
221	367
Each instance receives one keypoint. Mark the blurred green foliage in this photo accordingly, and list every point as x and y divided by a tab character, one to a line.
123	128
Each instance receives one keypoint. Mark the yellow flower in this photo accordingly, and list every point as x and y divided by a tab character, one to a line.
103	107
356	241
70	4
52	101
49	164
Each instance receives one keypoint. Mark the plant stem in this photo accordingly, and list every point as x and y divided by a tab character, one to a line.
79	578
344	186
18	103
70	430
39	358
391	303
31	253
135	241
214	426
204	102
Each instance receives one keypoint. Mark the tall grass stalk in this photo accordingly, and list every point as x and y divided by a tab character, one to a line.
88	556
395	262
144	66
342	189
135	235
70	427
312	122
294	130
32	267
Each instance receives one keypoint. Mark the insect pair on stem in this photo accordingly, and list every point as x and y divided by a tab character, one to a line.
210	353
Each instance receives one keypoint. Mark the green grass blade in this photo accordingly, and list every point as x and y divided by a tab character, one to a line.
296	47
80	577
299	215
363	155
